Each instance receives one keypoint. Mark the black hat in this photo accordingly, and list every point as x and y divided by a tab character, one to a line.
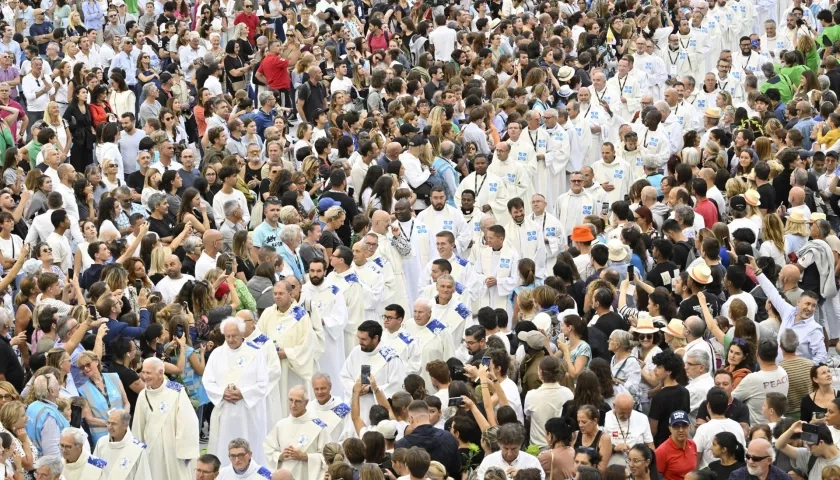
417	141
738	203
407	128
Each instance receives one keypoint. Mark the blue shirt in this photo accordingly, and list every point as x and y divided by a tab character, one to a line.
811	338
128	64
268	236
93	16
121	329
264	120
805	126
42	29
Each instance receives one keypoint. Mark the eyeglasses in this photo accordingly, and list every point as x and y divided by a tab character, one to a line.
756	458
576	181
166	119
237	456
350	49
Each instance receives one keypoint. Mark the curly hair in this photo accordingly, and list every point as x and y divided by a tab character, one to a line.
673	364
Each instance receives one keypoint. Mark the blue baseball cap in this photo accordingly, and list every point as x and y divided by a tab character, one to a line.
678	417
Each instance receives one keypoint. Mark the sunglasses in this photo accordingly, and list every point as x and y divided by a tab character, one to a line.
756	458
249	6
646	336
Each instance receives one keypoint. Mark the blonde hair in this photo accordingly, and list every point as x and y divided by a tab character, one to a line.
10	413
149	174
334	213
159	256
48	119
735	186
796	228
772	230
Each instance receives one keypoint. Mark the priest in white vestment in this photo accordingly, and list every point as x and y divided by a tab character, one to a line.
503	166
372	279
381	262
165	420
396	336
654	138
432	336
574	205
289	327
444	267
384	363
526	238
345	278
554	236
236	380
613	174
380	225
628	88
587	134
327	298
328	407
490	192
537	143
79	464
521	152
274	402
404	235
449	309
496	270
125	456
296	443
242	464
436	218
598	118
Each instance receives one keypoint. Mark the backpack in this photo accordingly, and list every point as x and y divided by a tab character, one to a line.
692	254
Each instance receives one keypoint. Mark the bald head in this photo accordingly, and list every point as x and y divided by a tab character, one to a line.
282	474
380	221
66	173
623	402
804	109
649	195
393	150
708	175
796	196
789	276
212	242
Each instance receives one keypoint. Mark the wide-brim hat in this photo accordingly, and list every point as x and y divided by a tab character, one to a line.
565	73
675	328
701	274
816	216
617	250
752	197
796	216
644	324
712	112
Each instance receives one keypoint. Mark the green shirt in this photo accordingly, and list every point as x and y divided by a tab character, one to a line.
781	83
830	35
33	148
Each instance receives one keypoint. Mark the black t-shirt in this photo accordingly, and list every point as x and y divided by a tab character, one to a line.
725	471
330	240
162	227
188	266
656	275
10	365
663	404
737	410
610	322
313	97
691	306
127	377
768	197
681	251
136	180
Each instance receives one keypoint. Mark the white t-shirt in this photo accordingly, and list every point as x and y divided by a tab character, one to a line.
745	297
11	248
170	288
342	85
515	401
754	387
635	430
706	433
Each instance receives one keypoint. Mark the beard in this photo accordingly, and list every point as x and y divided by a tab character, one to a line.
753	471
439	208
316	280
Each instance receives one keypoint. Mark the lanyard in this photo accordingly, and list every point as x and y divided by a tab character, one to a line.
621	85
644	142
744	66
410	230
105	393
601	96
673	60
534	140
477	186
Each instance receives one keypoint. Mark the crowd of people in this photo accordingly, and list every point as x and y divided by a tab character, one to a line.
402	239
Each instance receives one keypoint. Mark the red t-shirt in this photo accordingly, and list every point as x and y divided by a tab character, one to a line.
21	113
675	463
708	210
276	71
252	21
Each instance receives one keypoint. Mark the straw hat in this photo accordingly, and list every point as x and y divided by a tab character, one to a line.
796	216
752	197
817	216
565	73
675	328
701	274
617	250
712	112
644	324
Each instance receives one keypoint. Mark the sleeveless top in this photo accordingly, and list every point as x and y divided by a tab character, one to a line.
594	444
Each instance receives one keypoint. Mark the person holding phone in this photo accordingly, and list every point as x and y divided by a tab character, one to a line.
819	450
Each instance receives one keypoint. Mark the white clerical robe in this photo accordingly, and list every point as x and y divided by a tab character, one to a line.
388	278
349	286
165	420
518	181
654	68
430	222
523	154
335	413
86	467
274	400
398	293
474	219
435	343
653	143
618	174
373	283
291	331
502	266
126	459
732	86
572	207
528	240
589	148
462	272
410	262
633	158
456	316
562	147
245	368
489	190
329	301
554	236
307	433
597	117
539	142
254	471
403	343
628	88
385	365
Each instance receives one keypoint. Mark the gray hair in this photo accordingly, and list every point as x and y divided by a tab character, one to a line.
824	82
79	435
291	233
691	156
700	356
53	462
768	70
624	339
41	386
240	324
447	148
155	363
62	328
149	88
154	200
230	206
825	228
192	242
662	106
123	190
800	177
788	340
562	113
651	162
446	276
125	417
425	302
684	213
695	326
322	376
239	443
770	451
265	97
